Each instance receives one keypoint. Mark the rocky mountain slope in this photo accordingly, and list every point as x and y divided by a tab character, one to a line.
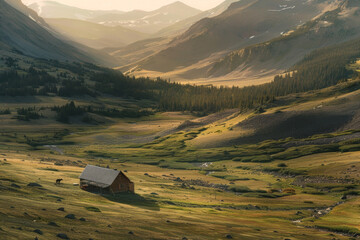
333	27
159	41
243	24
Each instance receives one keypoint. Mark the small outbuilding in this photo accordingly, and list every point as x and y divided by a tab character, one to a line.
105	180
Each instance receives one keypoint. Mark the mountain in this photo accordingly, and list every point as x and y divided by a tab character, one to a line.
142	21
18	5
149	22
51	9
333	27
26	35
95	35
243	24
144	48
183	25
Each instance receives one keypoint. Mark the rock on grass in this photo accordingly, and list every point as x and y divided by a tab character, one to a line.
54	224
15	186
38	231
70	216
62	236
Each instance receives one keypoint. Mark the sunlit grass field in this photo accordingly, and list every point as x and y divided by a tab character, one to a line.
184	190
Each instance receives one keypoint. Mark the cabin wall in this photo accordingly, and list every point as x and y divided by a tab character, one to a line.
85	185
122	184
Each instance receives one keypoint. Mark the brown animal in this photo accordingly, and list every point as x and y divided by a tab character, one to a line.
58	181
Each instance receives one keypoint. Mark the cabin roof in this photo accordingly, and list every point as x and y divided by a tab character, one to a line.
102	177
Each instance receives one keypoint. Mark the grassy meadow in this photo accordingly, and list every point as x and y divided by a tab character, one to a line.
293	188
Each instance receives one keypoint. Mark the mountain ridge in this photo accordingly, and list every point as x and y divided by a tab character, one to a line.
332	27
143	21
238	26
27	36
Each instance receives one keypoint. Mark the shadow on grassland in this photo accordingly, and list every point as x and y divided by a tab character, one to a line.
133	200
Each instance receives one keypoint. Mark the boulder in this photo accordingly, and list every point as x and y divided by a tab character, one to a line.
38	231
62	236
70	216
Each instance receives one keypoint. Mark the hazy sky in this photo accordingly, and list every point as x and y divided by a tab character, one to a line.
127	5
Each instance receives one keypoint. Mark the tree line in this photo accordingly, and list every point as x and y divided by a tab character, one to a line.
320	69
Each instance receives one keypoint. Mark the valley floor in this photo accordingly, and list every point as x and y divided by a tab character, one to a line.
163	207
195	177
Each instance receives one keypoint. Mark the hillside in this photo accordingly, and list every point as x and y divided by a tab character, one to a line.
25	36
137	50
95	35
336	26
18	5
243	24
159	41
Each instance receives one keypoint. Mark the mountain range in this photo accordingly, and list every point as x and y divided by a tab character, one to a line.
138	20
333	27
52	9
237	43
251	41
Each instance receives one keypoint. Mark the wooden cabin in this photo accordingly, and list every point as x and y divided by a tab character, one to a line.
105	180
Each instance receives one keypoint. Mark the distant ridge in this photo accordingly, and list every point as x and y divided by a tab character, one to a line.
142	21
52	9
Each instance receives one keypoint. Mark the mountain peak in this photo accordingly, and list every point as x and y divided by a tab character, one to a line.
178	5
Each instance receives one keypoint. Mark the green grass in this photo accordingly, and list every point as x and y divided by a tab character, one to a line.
340	229
174	212
253	175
